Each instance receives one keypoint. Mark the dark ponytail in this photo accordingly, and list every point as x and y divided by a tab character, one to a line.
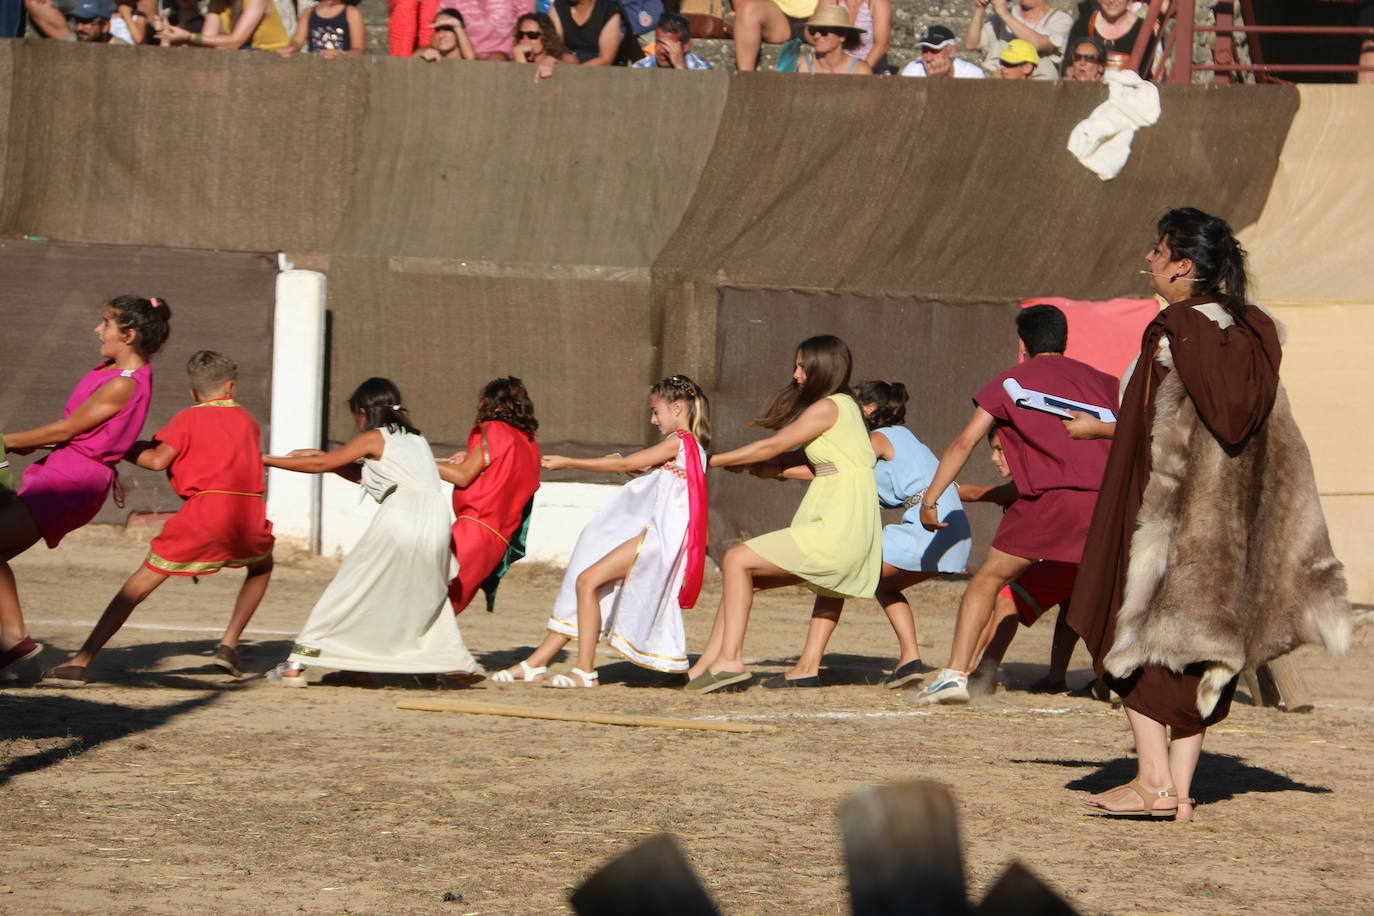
889	403
151	318
379	401
1218	259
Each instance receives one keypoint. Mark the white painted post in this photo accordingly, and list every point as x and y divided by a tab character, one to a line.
298	384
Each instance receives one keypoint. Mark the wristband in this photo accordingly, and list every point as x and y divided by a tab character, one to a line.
931	508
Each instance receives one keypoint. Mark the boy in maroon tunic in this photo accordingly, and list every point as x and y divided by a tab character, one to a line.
1057	477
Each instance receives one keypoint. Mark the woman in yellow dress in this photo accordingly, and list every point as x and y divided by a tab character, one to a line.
834	545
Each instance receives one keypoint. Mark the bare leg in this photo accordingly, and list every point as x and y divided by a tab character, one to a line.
755	22
1061	647
17	534
1366	77
889	594
996	639
251	592
825	616
1152	766
739	572
136	588
1183	758
997	570
613	566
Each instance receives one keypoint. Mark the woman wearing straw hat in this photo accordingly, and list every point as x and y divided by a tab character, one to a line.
830	34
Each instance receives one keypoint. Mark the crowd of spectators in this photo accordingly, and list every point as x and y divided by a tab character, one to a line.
1012	39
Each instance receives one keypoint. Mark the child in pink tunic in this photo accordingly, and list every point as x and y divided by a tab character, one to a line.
65	489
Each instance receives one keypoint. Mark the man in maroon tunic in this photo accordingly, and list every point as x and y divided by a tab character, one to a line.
1058	479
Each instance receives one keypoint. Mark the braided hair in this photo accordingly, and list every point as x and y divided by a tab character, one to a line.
676	388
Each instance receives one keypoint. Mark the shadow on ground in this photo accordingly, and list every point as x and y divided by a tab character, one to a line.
1220	777
65	725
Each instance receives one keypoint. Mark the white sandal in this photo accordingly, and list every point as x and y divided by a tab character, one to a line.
562	680
527	675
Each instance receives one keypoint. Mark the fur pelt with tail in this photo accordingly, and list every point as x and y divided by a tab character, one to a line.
1230	563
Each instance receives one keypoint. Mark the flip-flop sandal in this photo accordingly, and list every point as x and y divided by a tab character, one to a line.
707	682
64	676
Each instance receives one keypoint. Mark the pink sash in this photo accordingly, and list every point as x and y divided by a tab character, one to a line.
696	522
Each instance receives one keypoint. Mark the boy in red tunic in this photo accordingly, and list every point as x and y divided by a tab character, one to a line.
1057	478
213	456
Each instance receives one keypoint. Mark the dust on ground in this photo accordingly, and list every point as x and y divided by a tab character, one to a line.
165	787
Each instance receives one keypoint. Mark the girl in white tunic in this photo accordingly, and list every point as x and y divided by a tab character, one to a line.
639	562
387	608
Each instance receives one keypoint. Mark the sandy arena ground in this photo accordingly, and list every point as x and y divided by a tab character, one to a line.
164	787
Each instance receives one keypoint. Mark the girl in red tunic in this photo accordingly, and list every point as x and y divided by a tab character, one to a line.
494	483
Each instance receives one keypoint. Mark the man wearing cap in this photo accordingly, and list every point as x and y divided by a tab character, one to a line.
1018	60
939	57
996	22
90	20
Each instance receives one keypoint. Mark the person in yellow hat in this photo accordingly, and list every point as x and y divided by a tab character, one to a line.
1018	60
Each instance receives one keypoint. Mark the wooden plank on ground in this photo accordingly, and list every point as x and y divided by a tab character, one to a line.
522	712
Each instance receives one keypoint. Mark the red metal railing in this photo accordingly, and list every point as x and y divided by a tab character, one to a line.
1172	57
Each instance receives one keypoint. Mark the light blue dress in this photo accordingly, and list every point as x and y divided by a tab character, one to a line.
908	545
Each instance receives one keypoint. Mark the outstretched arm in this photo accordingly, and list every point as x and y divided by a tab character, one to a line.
105	402
641	460
813	421
461	471
311	461
952	462
152	456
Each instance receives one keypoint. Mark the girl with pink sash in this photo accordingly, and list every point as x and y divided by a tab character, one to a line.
65	489
640	561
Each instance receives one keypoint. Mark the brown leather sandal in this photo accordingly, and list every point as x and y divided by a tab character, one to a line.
1147	802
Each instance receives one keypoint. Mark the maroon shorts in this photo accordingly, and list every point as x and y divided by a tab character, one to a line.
1040	588
1051	526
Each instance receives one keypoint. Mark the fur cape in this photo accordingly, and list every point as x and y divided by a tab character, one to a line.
1230	564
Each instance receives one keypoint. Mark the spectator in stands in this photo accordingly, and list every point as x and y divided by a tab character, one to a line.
538	42
830	34
1116	23
939	57
590	29
90	20
448	39
773	21
672	47
874	19
230	25
490	24
1033	21
1018	60
329	28
1086	61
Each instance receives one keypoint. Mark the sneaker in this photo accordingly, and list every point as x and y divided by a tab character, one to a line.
227	659
949	686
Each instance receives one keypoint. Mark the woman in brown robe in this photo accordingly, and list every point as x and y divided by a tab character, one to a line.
1207	551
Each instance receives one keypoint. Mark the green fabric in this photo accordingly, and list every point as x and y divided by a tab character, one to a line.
514	551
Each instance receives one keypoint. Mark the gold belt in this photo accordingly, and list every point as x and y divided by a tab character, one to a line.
824	469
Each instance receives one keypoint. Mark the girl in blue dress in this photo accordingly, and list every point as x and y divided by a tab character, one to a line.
911	554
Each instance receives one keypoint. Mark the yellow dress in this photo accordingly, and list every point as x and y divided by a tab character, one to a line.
835	542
